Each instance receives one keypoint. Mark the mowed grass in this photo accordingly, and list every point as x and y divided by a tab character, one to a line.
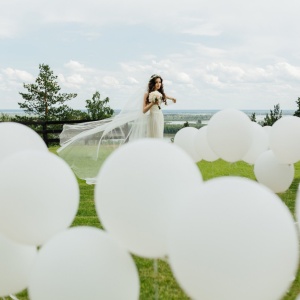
162	283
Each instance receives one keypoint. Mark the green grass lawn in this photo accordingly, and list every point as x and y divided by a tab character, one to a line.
163	281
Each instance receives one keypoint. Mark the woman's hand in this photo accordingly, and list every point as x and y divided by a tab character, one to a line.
174	100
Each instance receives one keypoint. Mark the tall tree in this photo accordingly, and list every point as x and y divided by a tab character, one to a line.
297	112
43	98
275	115
97	108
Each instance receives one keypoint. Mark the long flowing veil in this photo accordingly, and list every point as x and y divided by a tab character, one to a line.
85	146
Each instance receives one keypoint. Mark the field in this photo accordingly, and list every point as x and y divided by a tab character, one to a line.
161	284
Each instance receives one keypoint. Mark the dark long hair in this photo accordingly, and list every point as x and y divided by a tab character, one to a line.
151	86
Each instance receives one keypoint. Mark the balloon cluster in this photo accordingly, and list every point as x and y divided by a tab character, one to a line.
39	199
231	136
229	232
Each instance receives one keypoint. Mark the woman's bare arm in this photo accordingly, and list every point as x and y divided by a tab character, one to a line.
146	106
171	98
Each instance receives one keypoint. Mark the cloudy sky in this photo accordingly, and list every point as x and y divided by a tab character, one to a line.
212	54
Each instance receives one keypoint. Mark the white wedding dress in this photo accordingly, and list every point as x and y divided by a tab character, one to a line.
155	128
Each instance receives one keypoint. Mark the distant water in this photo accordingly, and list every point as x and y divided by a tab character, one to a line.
259	113
12	112
213	111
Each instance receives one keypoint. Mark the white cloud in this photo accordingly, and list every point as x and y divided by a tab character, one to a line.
132	80
196	26
285	70
75	79
17	75
110	81
76	66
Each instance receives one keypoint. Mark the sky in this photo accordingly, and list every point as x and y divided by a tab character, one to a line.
211	54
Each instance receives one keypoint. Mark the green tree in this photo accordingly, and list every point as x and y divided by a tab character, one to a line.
275	115
98	109
43	98
253	117
5	117
297	112
186	124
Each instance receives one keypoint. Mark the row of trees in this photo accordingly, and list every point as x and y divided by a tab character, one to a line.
271	118
275	114
44	101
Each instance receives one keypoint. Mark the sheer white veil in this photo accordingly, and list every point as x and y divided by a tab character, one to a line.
85	146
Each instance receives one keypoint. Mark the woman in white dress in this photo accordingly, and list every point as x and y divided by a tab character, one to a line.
86	146
152	102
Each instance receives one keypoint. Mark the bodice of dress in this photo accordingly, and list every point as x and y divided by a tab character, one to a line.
155	107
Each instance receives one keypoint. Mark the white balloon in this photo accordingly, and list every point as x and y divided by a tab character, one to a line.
185	139
16	263
16	137
229	134
285	139
298	207
135	189
83	263
276	176
268	130
259	144
235	239
39	196
202	147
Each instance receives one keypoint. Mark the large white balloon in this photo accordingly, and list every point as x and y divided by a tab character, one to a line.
285	139
16	137
229	134
276	176
202	147
135	189
259	145
83	263
39	196
16	263
268	130
298	207
185	139
235	239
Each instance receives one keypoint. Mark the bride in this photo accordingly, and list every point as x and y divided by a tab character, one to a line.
152	101
85	146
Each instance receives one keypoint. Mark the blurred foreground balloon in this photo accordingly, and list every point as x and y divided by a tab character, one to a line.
259	144
298	207
16	137
270	172
16	263
234	240
136	188
39	196
202	147
285	139
83	263
229	134
185	139
268	130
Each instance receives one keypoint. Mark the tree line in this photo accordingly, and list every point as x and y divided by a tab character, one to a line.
274	115
43	101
